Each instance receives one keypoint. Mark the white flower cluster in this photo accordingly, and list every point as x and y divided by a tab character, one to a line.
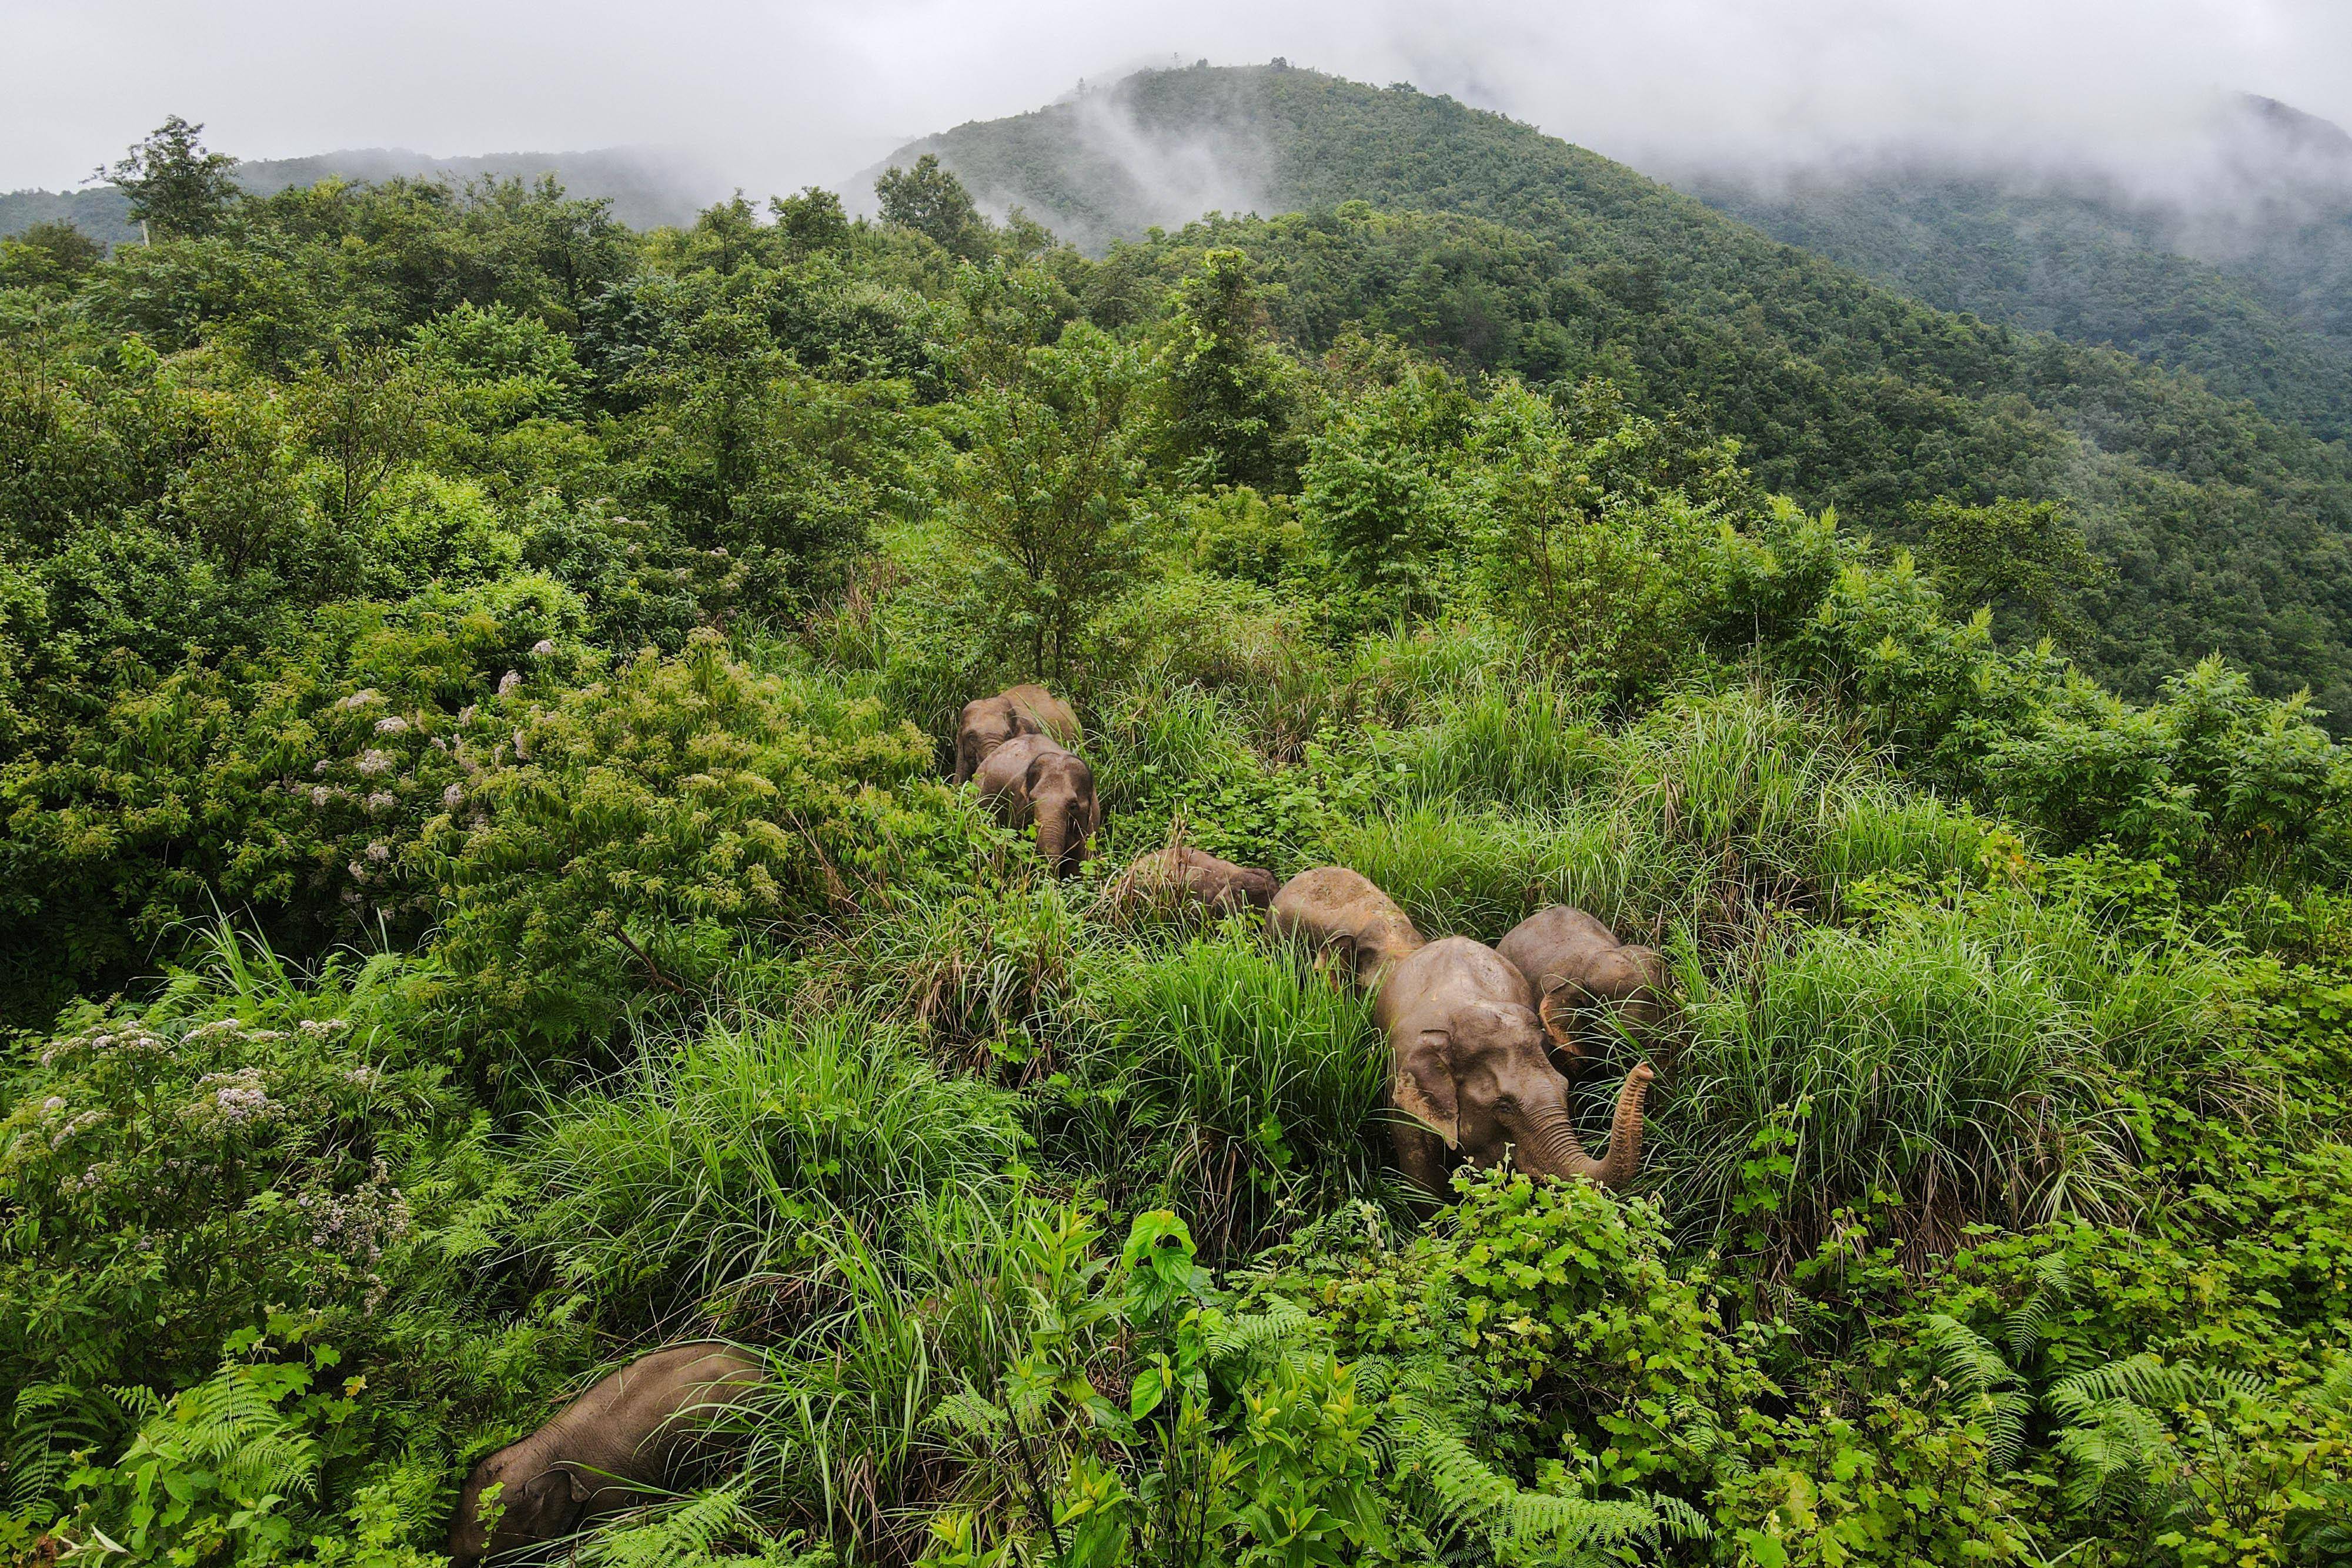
233	1099
76	1126
361	1223
394	725
320	1029
130	1040
373	762
359	699
509	681
543	647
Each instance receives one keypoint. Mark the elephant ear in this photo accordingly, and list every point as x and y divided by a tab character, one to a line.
1424	1086
1552	1012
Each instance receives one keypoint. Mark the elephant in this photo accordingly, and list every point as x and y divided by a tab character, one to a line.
1031	779
1575	966
605	1452
1335	910
1469	1070
1180	876
989	722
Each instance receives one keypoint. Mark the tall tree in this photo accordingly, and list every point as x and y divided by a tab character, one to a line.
177	187
1044	489
1232	400
930	200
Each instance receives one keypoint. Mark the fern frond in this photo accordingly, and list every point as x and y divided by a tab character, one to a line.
2146	1379
1254	1337
1472	1498
683	1534
2112	1453
2054	1286
1965	1358
52	1422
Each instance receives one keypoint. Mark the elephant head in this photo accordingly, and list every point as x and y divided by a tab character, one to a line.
1061	791
1631	983
537	1500
986	724
1483	1081
1253	887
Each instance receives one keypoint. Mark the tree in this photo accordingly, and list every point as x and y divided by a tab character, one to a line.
1586	542
930	200
48	255
811	220
1375	489
2026	559
1230	401
177	188
1043	487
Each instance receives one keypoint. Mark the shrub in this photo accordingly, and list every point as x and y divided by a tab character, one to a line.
295	783
629	831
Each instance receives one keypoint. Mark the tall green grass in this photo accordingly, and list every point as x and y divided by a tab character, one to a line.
1225	1083
1933	1070
729	1156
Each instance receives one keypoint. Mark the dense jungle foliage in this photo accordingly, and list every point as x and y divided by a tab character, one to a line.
2092	265
479	901
2223	529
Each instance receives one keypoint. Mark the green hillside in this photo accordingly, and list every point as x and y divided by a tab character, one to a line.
2088	266
2226	531
485	900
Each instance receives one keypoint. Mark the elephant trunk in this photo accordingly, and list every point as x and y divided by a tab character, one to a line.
1053	837
1553	1149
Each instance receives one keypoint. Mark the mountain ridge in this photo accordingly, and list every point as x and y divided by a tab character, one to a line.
2228	531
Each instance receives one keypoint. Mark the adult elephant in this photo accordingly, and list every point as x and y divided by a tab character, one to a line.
1578	972
1181	877
1469	1070
988	723
1337	911
1032	780
615	1447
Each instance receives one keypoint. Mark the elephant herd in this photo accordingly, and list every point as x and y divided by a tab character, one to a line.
1482	1042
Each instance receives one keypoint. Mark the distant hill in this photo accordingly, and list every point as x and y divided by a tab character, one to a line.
2237	267
646	185
2228	530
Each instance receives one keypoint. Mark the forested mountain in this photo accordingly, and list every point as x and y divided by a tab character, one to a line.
489	899
2226	530
2237	267
645	185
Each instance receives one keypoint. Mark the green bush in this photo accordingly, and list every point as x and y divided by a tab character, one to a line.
295	785
629	832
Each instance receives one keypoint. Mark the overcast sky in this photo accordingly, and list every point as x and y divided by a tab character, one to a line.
778	93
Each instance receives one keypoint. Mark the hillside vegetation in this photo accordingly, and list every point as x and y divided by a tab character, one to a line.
2225	531
2089	264
480	900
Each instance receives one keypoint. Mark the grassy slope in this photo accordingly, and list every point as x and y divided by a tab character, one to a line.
2227	530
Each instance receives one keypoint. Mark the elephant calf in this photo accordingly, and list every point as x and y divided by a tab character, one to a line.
603	1452
1334	910
1030	780
1469	1070
1576	967
1180	876
988	723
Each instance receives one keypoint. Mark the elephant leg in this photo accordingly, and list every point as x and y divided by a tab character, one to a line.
1421	1156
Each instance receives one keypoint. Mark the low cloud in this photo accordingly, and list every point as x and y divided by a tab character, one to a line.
784	92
